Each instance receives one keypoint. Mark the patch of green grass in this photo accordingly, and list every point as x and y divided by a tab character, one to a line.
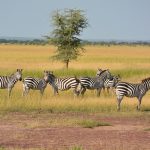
147	129
92	123
76	148
2	147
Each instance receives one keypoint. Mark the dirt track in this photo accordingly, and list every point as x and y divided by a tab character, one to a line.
126	133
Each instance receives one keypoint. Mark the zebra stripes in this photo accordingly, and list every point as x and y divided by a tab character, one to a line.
63	84
36	83
132	90
94	83
109	83
8	82
103	79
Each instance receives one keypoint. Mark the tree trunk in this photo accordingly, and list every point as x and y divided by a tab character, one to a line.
67	63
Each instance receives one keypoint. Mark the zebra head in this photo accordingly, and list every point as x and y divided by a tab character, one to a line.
105	74
47	76
146	83
18	74
51	77
98	72
116	79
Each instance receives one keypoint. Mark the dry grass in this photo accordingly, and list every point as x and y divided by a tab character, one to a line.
37	57
132	63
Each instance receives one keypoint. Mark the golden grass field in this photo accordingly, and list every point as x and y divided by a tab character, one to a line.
134	62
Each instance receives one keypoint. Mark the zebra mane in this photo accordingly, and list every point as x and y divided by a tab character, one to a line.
147	79
12	75
102	72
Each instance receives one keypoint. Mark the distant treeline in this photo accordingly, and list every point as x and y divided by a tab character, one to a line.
85	42
26	42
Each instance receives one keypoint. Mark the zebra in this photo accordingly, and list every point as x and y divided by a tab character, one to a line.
64	84
36	83
109	83
132	90
95	82
8	82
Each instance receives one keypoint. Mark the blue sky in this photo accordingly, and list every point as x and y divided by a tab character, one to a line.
108	19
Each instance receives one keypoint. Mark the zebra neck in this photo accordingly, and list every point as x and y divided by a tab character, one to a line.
43	81
147	85
13	79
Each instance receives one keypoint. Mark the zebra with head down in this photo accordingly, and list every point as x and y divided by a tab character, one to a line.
64	84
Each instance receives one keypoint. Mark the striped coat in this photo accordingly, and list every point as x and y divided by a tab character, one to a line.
63	84
35	83
97	82
8	82
132	90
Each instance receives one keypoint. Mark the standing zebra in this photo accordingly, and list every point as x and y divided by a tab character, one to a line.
109	83
8	82
132	90
94	83
63	84
36	83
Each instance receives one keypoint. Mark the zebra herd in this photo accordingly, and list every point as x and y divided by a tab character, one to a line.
103	79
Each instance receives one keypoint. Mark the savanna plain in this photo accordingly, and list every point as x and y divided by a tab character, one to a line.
65	122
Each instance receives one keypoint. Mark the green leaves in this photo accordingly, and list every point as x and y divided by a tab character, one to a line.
67	28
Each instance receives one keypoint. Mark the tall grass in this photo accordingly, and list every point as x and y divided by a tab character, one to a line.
132	63
66	102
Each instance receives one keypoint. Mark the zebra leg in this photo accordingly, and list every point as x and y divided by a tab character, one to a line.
119	99
83	91
76	93
55	91
108	89
139	103
41	91
9	91
26	91
112	91
98	92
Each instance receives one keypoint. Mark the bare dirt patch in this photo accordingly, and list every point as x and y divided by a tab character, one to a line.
37	131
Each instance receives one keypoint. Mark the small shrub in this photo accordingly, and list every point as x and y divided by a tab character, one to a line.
92	124
76	148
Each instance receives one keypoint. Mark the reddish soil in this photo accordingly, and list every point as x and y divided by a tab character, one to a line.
126	133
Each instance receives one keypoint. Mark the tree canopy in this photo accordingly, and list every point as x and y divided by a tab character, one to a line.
68	26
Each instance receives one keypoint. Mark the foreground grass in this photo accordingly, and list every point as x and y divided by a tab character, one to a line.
66	102
92	124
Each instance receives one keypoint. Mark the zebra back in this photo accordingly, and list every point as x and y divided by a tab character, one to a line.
63	83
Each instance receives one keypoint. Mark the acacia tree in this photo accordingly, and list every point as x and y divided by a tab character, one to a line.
68	25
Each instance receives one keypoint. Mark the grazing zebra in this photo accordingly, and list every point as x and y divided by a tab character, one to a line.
109	83
9	81
36	83
94	83
132	90
63	84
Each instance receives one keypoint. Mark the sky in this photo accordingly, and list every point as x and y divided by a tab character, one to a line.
108	19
